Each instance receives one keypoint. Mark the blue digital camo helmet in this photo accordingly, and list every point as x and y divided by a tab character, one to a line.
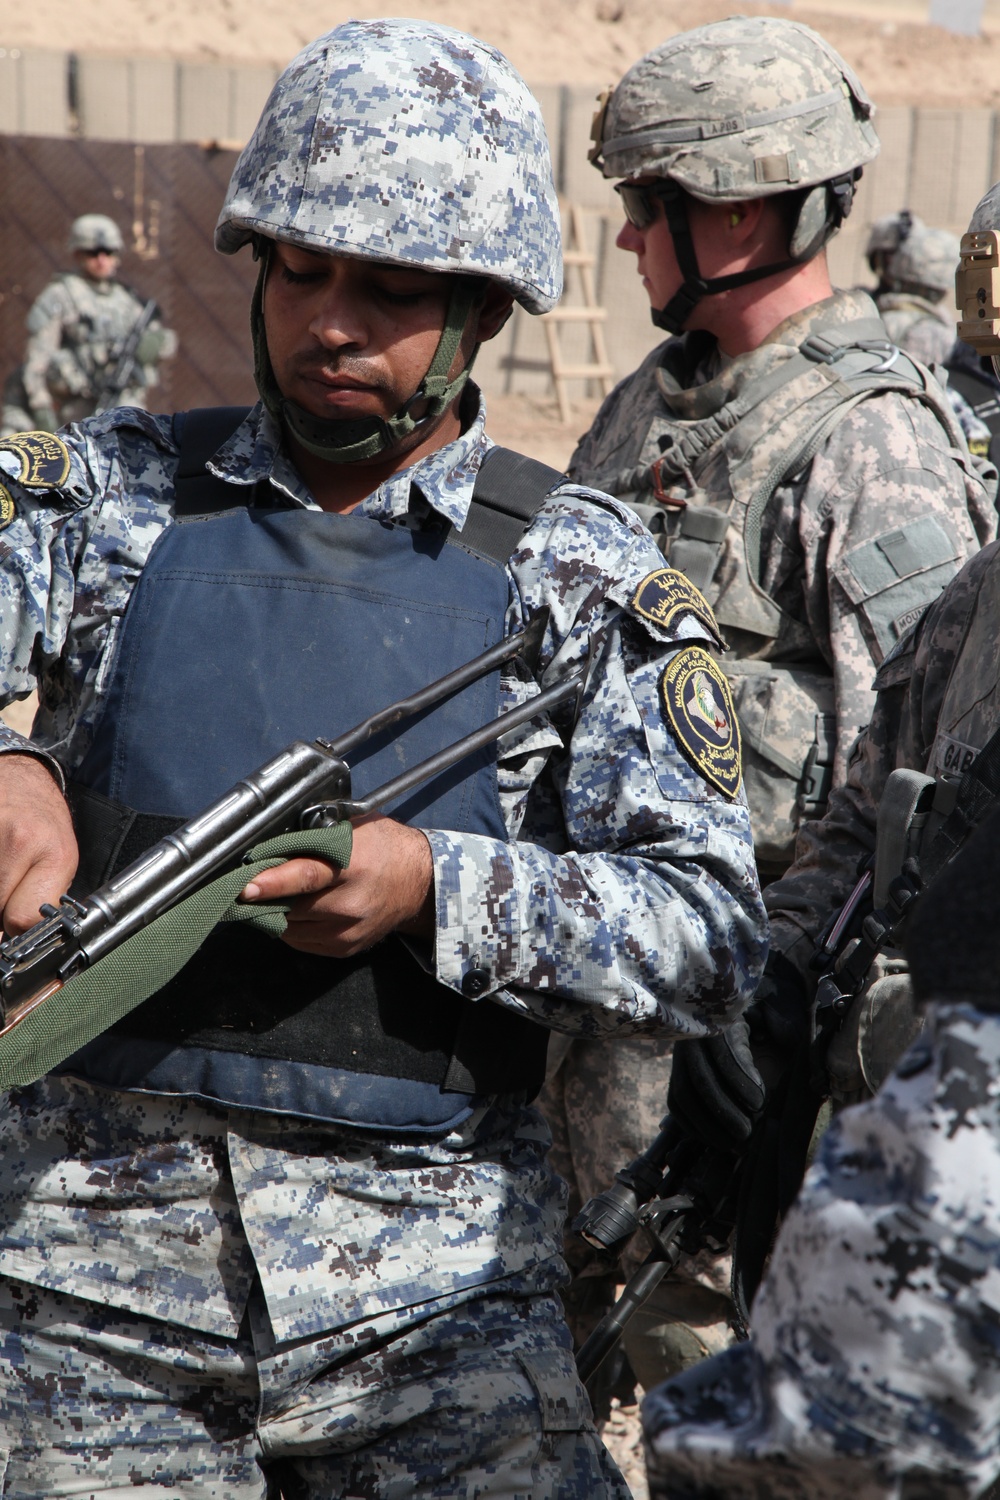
409	144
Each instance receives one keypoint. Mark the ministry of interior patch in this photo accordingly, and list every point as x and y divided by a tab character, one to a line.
663	595
699	708
44	459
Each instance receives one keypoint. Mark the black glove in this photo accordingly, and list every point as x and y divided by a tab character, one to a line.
716	1092
716	1088
779	1012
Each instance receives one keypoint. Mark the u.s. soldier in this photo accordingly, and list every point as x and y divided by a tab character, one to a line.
810	478
78	327
873	1365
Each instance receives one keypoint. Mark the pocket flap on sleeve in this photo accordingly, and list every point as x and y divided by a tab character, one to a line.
894	556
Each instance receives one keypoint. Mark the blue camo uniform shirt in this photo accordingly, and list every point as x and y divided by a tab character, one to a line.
627	901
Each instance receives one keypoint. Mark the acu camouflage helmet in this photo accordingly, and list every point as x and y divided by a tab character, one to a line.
907	256
887	234
745	108
925	262
95	232
407	144
742	108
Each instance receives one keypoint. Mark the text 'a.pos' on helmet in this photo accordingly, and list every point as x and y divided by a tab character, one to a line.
96	232
749	107
977	280
408	144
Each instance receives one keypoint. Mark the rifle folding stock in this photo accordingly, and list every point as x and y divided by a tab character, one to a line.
307	785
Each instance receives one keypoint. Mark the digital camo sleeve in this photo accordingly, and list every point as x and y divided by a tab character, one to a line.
888	517
628	899
873	1371
53	624
45	322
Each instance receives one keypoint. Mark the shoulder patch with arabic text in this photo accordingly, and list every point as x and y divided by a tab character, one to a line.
663	595
44	459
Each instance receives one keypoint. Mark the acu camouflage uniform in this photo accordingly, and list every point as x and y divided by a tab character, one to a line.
193	1292
76	328
864	521
916	269
873	1367
916	325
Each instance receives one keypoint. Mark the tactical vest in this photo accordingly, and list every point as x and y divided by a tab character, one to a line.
252	626
713	482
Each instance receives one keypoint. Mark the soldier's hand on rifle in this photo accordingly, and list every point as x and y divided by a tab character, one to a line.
719	1084
38	850
387	887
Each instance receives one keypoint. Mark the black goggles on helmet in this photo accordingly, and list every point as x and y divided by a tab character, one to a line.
640	200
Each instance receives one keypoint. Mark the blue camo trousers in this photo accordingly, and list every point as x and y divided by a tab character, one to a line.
481	1400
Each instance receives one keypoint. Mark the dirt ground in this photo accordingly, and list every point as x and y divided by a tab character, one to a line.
901	59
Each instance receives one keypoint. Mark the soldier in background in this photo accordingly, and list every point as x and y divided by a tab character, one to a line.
915	267
77	329
813	482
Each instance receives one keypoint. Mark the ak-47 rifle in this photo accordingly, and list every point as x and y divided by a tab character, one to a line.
306	786
117	381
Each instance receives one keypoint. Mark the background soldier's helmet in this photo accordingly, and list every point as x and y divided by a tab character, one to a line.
95	232
887	234
406	143
745	108
925	263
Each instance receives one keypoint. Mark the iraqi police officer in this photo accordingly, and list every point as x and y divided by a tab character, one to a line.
872	1368
79	328
810	478
289	1225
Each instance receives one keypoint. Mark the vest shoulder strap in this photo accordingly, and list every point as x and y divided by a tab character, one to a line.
865	368
508	493
199	434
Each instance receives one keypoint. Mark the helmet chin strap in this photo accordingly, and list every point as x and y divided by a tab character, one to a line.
694	287
347	440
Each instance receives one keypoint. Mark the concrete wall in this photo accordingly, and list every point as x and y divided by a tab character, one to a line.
937	162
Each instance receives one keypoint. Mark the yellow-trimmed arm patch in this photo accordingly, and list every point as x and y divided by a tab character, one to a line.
698	706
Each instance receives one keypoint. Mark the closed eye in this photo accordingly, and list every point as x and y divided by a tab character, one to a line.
300	278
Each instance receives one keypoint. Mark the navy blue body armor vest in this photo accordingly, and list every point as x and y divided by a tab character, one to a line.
249	629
